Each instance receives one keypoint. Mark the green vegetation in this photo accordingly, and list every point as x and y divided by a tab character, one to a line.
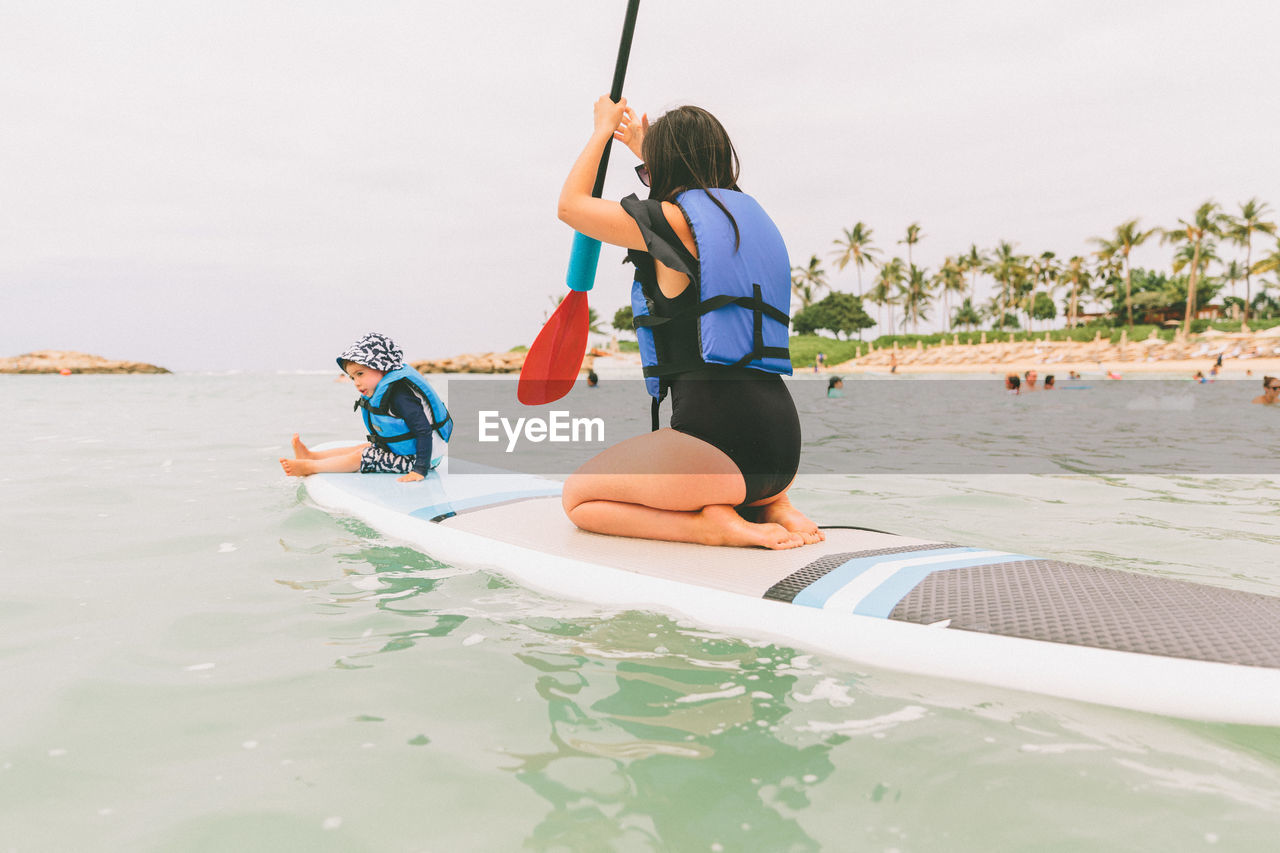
1032	292
838	313
622	319
804	348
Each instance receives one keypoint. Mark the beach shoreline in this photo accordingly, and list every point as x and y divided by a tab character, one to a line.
623	365
1242	355
1183	368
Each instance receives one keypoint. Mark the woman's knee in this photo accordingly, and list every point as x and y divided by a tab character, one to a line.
570	494
577	490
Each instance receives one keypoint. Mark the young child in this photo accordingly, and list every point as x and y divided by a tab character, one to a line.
401	411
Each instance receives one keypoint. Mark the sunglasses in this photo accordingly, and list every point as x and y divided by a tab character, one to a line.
1273	387
642	172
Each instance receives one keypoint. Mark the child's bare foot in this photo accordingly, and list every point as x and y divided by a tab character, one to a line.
297	467
300	450
782	512
729	528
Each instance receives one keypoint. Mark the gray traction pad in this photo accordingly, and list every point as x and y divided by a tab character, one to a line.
789	587
1086	606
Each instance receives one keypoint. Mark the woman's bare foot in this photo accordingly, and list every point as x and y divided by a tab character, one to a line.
297	467
300	450
729	528
782	512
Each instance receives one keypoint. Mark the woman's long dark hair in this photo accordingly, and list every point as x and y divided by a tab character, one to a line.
688	149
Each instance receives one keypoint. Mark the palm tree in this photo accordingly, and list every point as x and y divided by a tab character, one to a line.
916	295
879	295
1271	263
1186	255
1006	267
1107	271
1232	273
949	279
966	315
1044	271
1194	237
999	313
887	284
807	281
856	247
1240	230
972	262
1126	236
913	237
1077	274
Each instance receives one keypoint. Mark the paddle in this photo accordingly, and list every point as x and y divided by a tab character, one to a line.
553	362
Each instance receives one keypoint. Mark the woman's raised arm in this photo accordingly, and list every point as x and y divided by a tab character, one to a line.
604	220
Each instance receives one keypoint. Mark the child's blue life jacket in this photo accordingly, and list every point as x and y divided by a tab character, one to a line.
743	290
392	433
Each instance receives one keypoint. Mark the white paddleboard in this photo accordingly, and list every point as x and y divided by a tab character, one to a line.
913	605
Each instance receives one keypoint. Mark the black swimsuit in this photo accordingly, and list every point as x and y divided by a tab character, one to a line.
747	414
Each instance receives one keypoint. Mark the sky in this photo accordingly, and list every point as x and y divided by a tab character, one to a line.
254	185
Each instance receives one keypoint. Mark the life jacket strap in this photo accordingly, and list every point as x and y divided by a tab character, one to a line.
758	349
755	303
363	403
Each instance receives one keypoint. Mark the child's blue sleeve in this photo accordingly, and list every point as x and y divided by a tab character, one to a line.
407	406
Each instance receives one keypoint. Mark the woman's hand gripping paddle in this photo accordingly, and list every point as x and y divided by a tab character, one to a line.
553	362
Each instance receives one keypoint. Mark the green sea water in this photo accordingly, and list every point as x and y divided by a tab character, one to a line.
193	658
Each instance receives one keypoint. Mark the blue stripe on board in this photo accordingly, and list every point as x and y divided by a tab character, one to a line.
881	601
463	504
817	593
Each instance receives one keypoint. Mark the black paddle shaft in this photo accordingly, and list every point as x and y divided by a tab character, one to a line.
615	93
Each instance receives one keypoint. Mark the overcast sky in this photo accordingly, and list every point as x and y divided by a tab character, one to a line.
253	185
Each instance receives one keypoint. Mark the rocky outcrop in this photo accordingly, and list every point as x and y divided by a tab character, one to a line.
487	362
494	362
65	361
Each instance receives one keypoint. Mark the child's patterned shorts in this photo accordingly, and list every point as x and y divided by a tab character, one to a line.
376	460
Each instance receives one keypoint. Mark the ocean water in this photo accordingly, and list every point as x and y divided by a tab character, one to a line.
193	658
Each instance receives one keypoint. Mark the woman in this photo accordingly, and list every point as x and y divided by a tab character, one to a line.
711	293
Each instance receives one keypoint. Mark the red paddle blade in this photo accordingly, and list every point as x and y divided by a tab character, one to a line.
553	362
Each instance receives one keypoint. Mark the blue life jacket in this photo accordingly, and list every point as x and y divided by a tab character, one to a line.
392	433
743	291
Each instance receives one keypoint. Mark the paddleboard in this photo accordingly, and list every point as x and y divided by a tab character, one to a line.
926	607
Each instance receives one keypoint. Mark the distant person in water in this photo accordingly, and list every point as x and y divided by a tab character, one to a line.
1048	382
1199	377
1029	381
592	379
835	387
1270	395
1012	383
1071	374
401	413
